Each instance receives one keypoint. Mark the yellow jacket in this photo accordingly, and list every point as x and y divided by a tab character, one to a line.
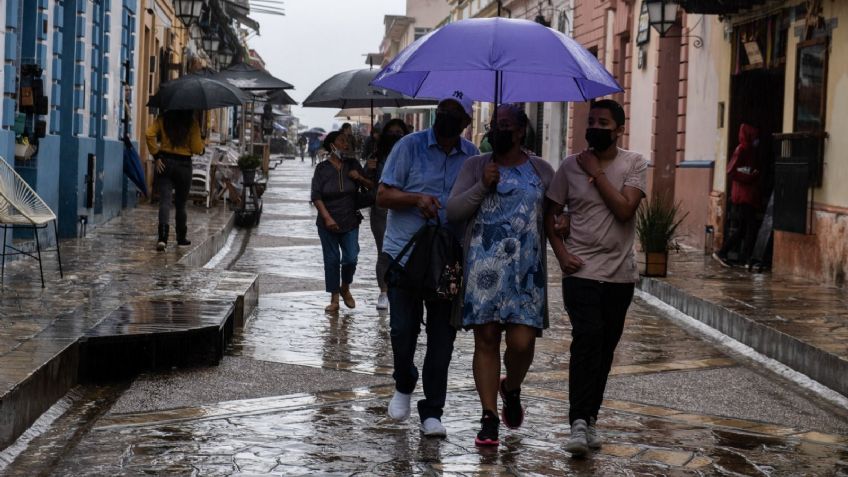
158	140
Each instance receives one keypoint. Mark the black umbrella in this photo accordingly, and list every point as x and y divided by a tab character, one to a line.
197	93
351	89
248	78
280	98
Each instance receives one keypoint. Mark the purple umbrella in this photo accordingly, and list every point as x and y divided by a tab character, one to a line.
522	61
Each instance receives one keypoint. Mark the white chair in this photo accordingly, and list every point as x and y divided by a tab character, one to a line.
20	206
201	167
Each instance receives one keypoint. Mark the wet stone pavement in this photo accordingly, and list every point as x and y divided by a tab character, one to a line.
304	393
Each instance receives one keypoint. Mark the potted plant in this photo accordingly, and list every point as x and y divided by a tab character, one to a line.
657	221
248	164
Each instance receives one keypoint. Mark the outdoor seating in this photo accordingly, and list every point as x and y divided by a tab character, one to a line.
21	207
201	180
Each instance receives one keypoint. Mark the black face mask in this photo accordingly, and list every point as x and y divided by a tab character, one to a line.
447	126
501	140
391	139
599	139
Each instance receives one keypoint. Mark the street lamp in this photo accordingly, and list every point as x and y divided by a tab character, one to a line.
188	11
225	56
662	14
211	42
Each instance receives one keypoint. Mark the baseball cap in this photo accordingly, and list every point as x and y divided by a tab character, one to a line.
460	98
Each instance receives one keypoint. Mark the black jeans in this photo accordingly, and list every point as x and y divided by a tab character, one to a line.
745	217
406	314
377	217
596	311
176	178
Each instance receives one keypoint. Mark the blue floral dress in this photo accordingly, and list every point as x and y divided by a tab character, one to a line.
505	279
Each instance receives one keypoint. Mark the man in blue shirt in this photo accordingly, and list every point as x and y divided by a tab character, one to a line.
416	182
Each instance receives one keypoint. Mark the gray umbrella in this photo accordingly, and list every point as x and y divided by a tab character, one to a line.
196	93
248	78
279	98
351	90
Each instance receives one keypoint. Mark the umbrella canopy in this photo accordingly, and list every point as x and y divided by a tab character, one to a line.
132	166
196	93
351	112
248	78
523	61
280	98
314	132
352	89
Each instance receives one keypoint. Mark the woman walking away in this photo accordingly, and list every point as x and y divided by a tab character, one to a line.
334	187
172	139
391	133
501	197
602	188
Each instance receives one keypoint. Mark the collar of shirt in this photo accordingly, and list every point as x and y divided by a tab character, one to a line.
463	146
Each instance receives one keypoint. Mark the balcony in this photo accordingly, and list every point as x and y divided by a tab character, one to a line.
719	7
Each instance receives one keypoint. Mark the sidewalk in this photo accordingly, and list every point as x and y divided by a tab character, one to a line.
800	323
118	295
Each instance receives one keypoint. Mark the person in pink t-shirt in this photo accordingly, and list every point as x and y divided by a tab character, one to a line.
601	188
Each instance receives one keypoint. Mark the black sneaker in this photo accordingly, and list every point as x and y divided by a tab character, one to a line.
488	435
512	412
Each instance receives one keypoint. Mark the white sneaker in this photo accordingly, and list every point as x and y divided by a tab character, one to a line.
577	445
383	302
432	427
399	406
593	440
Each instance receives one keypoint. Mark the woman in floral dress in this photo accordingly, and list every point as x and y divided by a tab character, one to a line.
500	196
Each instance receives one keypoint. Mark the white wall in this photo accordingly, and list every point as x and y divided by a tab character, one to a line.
704	139
642	85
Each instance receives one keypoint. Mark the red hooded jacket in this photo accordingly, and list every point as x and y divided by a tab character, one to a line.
743	169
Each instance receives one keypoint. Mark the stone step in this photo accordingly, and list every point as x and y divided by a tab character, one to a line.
816	362
156	334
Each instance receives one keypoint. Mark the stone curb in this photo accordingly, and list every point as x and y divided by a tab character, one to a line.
820	365
22	403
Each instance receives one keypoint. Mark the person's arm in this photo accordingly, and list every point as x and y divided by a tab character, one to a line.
389	197
357	174
152	137
467	193
316	197
568	263
623	203
195	140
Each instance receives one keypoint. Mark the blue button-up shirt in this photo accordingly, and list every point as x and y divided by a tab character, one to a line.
417	164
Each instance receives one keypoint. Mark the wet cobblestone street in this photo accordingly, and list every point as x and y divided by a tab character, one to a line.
305	393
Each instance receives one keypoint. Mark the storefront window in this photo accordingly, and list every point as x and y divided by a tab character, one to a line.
811	85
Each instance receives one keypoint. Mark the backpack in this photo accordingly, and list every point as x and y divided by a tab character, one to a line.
434	268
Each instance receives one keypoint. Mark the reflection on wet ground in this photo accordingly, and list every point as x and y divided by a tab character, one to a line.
346	432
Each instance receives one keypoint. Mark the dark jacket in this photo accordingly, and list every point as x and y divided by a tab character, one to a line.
338	192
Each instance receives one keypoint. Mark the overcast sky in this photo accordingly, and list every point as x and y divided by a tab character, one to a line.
317	39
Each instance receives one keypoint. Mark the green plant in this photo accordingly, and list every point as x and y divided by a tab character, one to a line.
657	221
249	161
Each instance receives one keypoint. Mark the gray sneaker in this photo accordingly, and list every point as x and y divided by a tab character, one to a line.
592	438
577	445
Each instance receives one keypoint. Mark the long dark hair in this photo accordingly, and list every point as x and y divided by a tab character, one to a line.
384	146
177	124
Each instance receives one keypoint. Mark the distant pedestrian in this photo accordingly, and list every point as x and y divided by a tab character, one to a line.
172	139
388	137
601	188
744	174
334	186
416	181
314	147
501	197
301	145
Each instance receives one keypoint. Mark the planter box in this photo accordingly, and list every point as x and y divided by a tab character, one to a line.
656	264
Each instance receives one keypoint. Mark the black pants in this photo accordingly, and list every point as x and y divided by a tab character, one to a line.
596	311
176	178
746	230
406	313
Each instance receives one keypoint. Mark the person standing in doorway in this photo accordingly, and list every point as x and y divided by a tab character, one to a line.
601	187
388	137
744	174
416	182
501	197
172	139
334	188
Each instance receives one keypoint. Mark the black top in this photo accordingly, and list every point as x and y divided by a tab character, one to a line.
338	192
